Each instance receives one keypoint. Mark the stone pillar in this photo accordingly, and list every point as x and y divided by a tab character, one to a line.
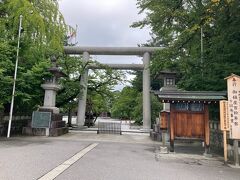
49	97
83	93
146	92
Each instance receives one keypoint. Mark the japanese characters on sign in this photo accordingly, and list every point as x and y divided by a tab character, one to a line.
224	118
233	83
164	116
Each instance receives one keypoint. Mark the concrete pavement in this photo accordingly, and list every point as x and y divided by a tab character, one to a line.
128	156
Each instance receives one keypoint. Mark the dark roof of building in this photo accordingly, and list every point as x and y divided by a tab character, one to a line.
180	95
168	72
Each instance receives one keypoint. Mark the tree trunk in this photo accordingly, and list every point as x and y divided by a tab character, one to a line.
69	117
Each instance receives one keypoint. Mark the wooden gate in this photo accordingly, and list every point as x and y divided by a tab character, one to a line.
189	120
189	125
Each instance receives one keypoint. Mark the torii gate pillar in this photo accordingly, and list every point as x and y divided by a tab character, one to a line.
83	93
146	93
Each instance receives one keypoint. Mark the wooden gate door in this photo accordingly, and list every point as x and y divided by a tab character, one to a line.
189	125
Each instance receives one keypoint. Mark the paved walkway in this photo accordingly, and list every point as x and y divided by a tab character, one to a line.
88	156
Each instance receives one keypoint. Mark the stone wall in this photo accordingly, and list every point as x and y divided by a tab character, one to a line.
18	122
216	137
216	140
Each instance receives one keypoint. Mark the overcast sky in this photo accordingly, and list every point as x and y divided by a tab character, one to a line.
105	23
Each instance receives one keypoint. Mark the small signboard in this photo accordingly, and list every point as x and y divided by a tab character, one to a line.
224	118
233	84
164	120
41	119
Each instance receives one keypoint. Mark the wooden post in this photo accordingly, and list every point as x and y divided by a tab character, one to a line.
225	146
236	156
207	131
171	129
233	86
224	122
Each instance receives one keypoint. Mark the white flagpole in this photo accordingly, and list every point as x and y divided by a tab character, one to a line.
15	77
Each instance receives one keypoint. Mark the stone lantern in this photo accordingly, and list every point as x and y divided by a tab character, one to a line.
51	87
47	121
169	80
169	84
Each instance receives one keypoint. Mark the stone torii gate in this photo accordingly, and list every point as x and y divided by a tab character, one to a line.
145	52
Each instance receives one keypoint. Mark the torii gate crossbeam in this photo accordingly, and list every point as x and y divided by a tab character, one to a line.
117	66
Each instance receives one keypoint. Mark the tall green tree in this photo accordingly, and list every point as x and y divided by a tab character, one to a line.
176	26
128	104
42	34
125	103
100	86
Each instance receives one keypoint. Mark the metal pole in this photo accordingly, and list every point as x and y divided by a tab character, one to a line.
15	77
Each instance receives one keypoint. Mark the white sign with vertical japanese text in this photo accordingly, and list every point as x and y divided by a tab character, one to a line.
224	117
233	83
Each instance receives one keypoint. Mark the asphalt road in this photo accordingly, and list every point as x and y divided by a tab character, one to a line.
115	157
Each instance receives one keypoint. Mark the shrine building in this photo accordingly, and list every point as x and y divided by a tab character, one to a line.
187	112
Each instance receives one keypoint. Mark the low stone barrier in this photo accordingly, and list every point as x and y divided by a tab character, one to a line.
216	139
216	136
109	128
